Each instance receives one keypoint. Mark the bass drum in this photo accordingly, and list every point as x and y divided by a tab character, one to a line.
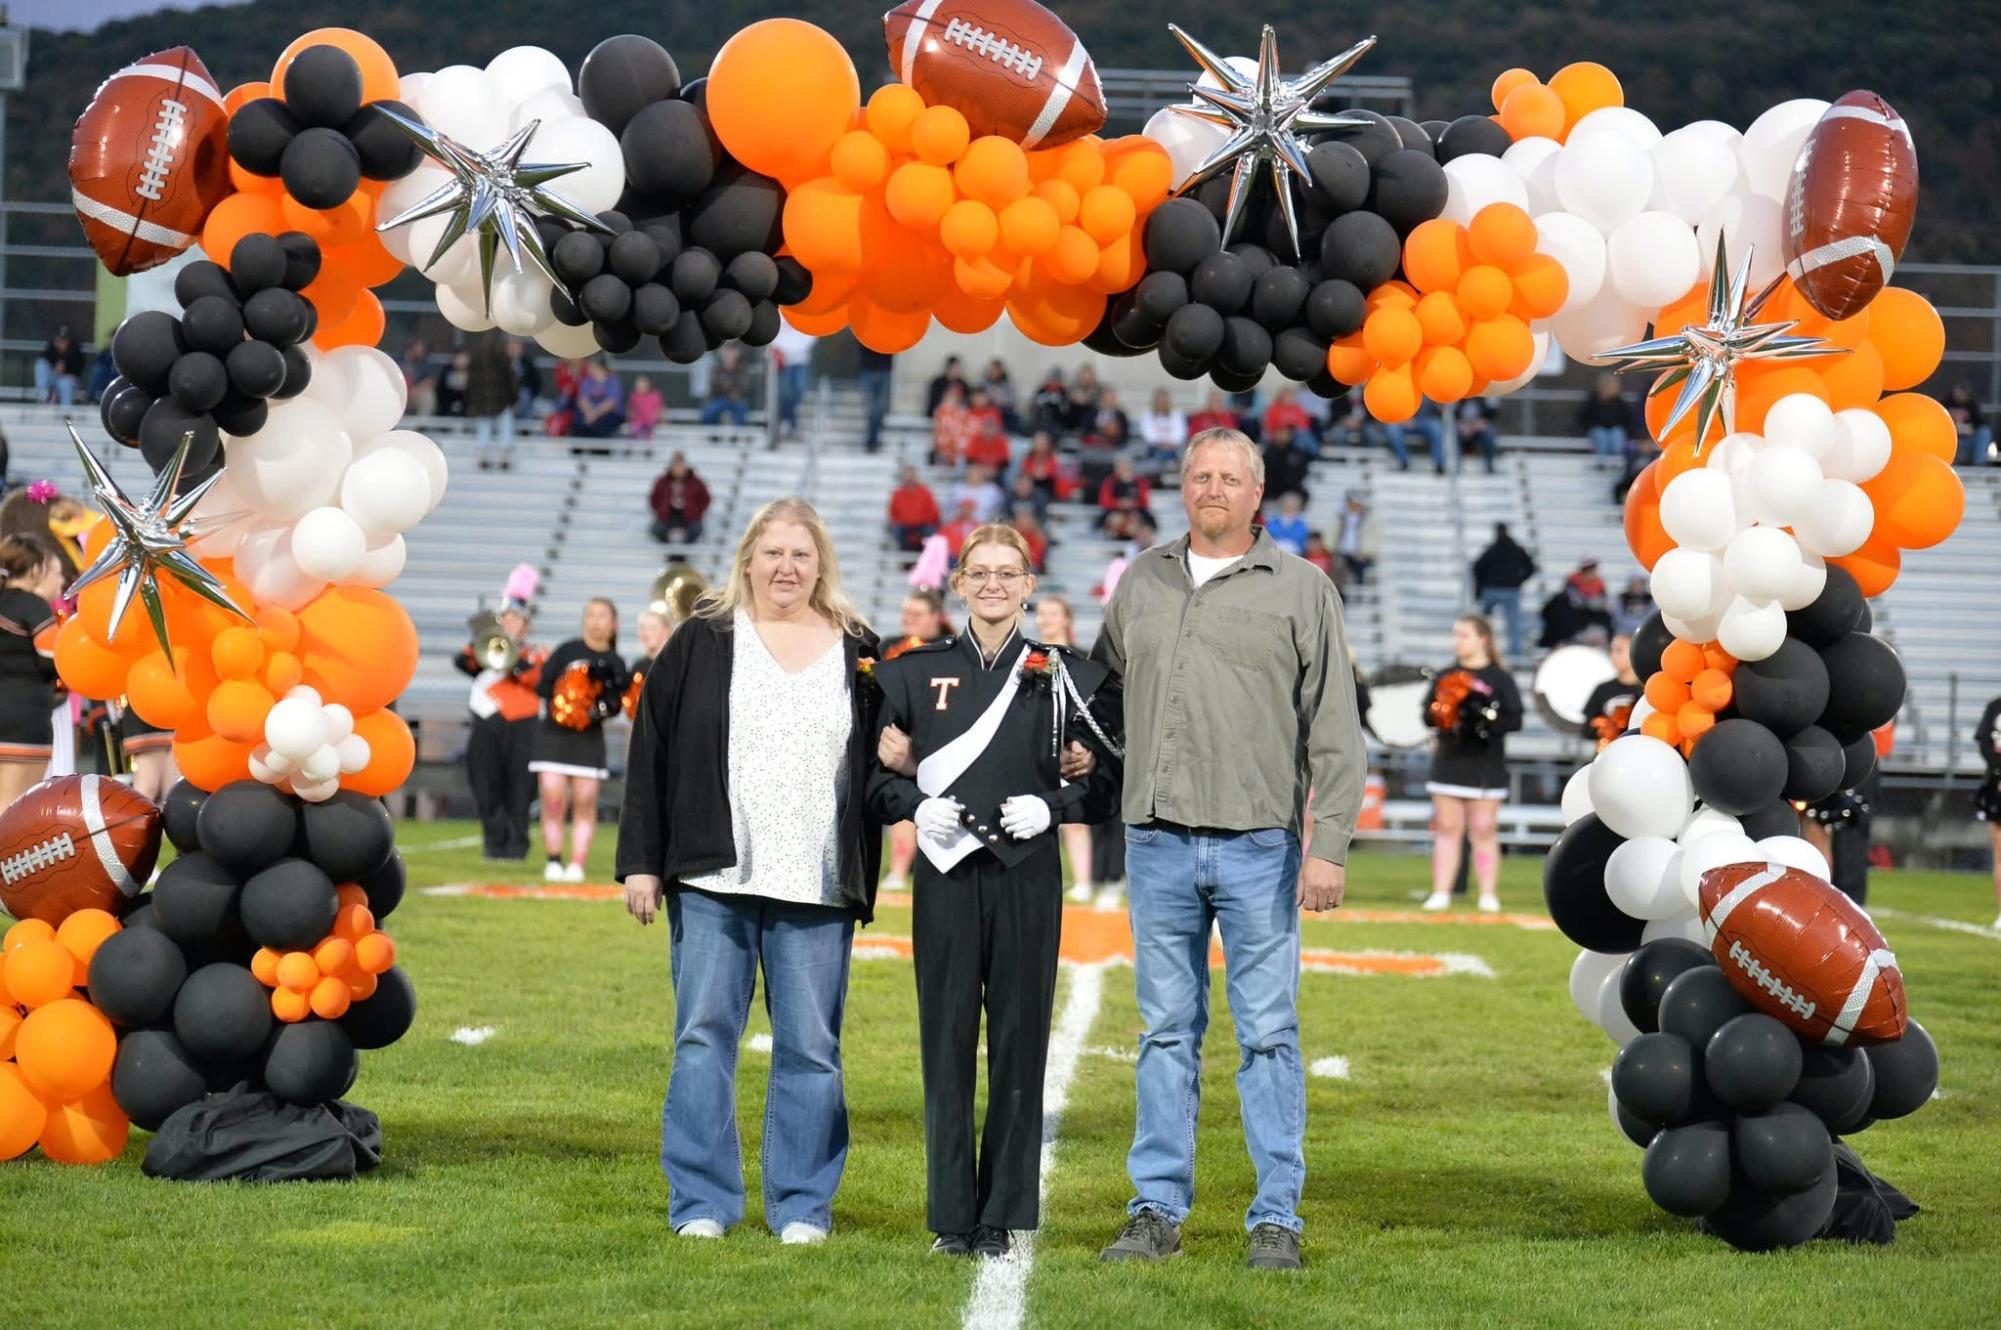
1563	684
1396	706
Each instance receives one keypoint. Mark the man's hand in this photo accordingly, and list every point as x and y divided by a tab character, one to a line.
1321	884
893	751
1078	761
643	895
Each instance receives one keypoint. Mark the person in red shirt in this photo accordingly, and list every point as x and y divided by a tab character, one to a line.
1124	496
952	428
1215	414
1285	411
679	500
913	511
1026	523
988	446
956	530
1043	467
1318	554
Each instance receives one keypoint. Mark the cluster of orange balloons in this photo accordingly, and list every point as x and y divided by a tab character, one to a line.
56	1049
1691	686
352	258
339	970
915	219
1527	107
1459	321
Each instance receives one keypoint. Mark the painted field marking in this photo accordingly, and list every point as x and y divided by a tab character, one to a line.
472	1036
1933	921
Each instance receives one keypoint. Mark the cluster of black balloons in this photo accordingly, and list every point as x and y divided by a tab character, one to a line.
257	868
319	138
1739	1115
239	343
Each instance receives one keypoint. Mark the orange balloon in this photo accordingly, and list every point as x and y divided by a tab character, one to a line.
1585	87
1061	195
1120	264
781	92
1908	333
290	1005
1502	235
65	1048
392	754
330	999
1443	373
40	972
1029	226
1145	175
1439	318
1694	720
364	260
11	1017
994	171
265	966
359	647
1645	536
298	971
822	227
1759	387
1050	314
86	667
1714	657
237	216
348	894
940	135
237	708
361	987
1919	424
1852	380
20	935
210	761
1711	689
362	327
1507	81
892	110
247	182
1392	295
243	94
84	931
1484	292
353	922
1661	725
1074	256
969	229
282	673
375	953
278	628
1107	212
1874	566
917	195
346	223
1499	348
237	652
1391	395
23	1115
379	81
1081	164
92	1130
1533	111
1919	500
1666	693
333	294
817	324
1541	287
1349	362
1434	255
904	269
860	161
981	279
335	954
1392	335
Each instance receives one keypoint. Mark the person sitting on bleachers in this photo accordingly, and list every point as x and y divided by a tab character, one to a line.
989	446
953	375
563	418
1022	493
1320	557
1287	466
952	426
1215	414
1000	391
1474	418
913	511
1164	431
1607	419
1029	526
1288	527
1285	413
1049	409
1636	602
1351	426
454	384
1045	469
1428	424
729	389
679	500
600	402
1974	436
963	524
420	379
1085	393
1123	497
1356	540
644	407
979	488
1582	608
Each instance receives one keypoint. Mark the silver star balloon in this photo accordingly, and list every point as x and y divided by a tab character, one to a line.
492	194
150	541
1703	358
1266	115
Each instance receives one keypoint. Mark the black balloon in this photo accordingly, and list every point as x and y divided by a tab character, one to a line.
1180	233
1777	818
795	281
739	213
1865	685
1374	138
1836	612
1738	766
1413	135
754	273
195	902
135	974
1687	1169
1752	1062
198	381
380	1020
726	316
1753	1219
309	1062
384	887
765	323
1783	1151
178	811
1659	1079
1179	366
258	134
247	825
203	278
155	1075
257	262
1906	1073
634	258
123	410
1836	1085
1278	297
1784	692
654	309
1299	354
1698	1003
386	152
145	348
1336	308
241	416
1360	248
1104	339
1340	175
222	1013
1194	333
1635	1129
1650	640
1246	349
165	424
684	343
577	257
1234	383
1407	188
1647	973
1130	328
255	369
668	151
605	298
277	316
1256	257
1858	761
322	86
213	324
1433	128
1222	282
320	168
1159	294
695	275
289	906
618	337
1471	134
1573	888
622	76
1814	764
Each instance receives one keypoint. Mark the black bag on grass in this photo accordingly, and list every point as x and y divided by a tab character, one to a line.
254	1136
1866	1208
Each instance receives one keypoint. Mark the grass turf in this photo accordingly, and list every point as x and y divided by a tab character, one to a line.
1466	1170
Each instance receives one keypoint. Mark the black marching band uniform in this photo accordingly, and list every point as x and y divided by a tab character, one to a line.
1470	761
988	908
1987	738
565	750
504	706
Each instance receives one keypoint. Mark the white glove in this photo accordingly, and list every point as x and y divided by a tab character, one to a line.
1025	817
938	820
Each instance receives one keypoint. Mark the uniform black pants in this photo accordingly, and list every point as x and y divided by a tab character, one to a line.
497	754
985	936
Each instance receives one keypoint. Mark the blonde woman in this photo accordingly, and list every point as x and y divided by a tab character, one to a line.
745	814
987	715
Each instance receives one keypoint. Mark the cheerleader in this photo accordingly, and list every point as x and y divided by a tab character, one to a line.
986	714
505	705
582	684
1610	706
1987	804
654	630
31	575
1472	706
923	621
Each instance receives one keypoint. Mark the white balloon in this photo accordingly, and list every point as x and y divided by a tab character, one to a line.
463	103
1706	822
1612	1017
1806	588
1641	710
1839	520
1639	787
1685	924
1782	484
1795	852
225	516
410	88
1603	176
1577	795
1578	246
1187	140
1689	584
354	754
329	382
548	104
1620	120
382	564
386	492
340	721
1698	511
1714	129
457	265
1861	446
1711	852
315	792
293	464
597	187
1637	879
326	544
297	728
322	764
1772	144
1732	453
1761	562
400	196
261	768
520	72
567	343
521	300
1587	976
1690	630
1534	160
464	307
1748	222
1751	630
420	449
372	390
1652	259
1476	180
1605	324
1693	172
1801	420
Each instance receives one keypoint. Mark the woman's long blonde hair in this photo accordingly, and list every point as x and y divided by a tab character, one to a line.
828	598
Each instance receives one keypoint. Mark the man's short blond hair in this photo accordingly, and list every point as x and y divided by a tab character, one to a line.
1254	460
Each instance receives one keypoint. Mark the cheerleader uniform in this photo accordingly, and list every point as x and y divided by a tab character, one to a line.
1607	701
1464	764
1987	738
988	909
27	676
505	711
563	751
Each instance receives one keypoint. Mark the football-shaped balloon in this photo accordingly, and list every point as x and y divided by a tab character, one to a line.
149	159
1798	949
1010	67
1850	204
74	843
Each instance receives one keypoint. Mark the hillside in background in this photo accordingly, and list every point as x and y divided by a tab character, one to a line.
1678	62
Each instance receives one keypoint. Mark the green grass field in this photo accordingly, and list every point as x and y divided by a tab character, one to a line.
1464	1172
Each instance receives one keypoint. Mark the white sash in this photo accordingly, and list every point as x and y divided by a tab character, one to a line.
936	773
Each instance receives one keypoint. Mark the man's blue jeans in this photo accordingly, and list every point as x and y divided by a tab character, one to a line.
1505	602
719	944
1180	882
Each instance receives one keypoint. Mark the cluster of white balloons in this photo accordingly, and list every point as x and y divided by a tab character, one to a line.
1188	139
324	492
1754	526
1639	788
1633	214
308	746
481	109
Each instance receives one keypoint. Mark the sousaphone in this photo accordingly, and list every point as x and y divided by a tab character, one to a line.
675	592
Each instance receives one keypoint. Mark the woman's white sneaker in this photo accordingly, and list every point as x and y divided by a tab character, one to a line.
801	1234
1490	905
699	1228
1437	902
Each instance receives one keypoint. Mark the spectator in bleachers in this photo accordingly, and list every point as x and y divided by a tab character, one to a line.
1971	426
1987	799
951	377
644	408
1351	426
1428	424
1473	418
1643	452
989	445
729	388
1286	465
103	369
1000	391
1635	603
1244	406
420	378
964	522
1111	427
1356	539
913	511
1285	413
1029	527
1123	498
1215	414
1044	468
1580	611
454	385
1498	575
58	369
952	427
877	375
527	378
792	357
979	488
489	401
1607	419
1317	553
1085	394
1288	527
1049	409
1023	493
600	402
1145	536
679	500
1164	431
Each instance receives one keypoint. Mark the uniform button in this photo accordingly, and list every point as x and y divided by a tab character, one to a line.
983	827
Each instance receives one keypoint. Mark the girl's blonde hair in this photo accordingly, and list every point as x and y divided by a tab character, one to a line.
997	533
722	602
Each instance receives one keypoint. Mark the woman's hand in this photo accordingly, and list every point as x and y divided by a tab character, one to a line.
1078	761
893	751
643	895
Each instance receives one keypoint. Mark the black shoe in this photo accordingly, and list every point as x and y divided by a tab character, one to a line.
1147	1236
952	1244
991	1243
1274	1248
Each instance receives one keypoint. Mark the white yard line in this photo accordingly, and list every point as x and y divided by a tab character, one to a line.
473	1036
999	1298
1950	925
1333	1067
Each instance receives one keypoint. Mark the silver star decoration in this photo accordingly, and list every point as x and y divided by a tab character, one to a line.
493	194
1266	115
150	541
1705	356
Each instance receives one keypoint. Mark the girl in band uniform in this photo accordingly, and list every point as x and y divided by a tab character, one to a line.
570	757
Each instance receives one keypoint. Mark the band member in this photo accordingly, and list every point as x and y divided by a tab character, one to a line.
1987	803
505	709
582	684
923	621
1610	707
149	755
31	575
1473	706
987	714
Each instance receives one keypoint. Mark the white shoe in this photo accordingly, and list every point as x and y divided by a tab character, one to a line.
896	882
1081	893
699	1228
1436	902
800	1234
1490	905
553	872
574	873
